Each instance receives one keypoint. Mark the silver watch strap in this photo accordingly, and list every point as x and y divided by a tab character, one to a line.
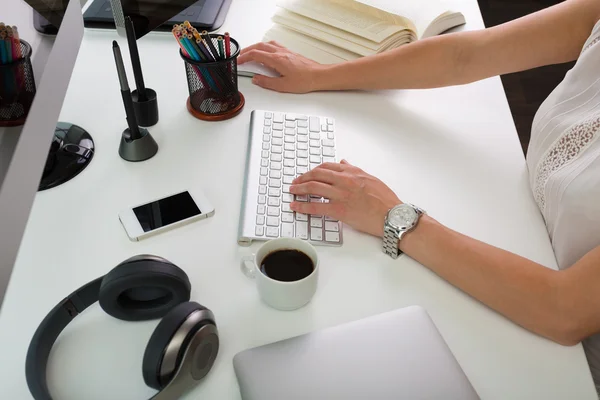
390	242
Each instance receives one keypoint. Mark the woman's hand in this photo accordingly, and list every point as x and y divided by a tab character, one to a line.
298	73
355	197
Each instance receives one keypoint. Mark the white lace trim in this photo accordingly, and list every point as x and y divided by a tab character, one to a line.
593	42
562	152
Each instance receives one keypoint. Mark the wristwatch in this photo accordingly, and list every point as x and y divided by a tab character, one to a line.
399	220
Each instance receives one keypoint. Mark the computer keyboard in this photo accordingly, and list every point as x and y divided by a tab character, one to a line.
281	147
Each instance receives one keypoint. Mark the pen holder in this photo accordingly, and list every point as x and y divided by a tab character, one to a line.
17	88
213	86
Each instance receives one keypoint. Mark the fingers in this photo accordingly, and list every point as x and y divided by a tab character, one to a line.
318	189
312	208
269	47
345	162
276	44
320	175
270	83
260	56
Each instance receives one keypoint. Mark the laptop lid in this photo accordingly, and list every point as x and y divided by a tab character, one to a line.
395	355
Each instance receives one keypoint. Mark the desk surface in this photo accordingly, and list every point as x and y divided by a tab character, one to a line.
455	153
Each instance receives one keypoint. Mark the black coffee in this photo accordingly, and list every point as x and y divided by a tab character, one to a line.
287	265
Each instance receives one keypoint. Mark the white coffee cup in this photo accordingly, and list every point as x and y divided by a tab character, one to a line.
282	295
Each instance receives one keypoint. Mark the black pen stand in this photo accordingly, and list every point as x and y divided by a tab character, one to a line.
17	88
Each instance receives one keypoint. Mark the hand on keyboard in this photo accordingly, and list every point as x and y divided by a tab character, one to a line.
355	197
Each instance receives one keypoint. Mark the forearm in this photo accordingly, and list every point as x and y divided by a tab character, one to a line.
520	289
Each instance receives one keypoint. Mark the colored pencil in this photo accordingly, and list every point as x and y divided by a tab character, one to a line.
227	45
221	47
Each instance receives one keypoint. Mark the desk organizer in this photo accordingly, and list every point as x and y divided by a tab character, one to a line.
17	88
213	86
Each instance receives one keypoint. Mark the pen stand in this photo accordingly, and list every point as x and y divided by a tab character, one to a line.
138	149
213	86
17	88
146	110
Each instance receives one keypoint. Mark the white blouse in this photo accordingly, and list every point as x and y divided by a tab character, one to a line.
564	167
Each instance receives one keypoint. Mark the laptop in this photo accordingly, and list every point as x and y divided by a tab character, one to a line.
395	355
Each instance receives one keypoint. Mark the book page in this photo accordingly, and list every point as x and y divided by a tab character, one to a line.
349	16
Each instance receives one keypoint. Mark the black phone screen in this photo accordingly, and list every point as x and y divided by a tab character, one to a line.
166	211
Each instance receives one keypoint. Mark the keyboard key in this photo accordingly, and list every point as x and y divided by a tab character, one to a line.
277	141
303	162
329	120
273	201
277	134
302	124
273	231
328	143
275	174
266	138
290	139
290	124
262	189
275	192
315	135
330	128
277	126
276	149
315	151
260	209
328	151
278	117
264	154
302	139
301	217
288	198
301	229
316	234
268	115
287	217
268	122
301	197
329	159
286	188
290	117
316	222
287	179
315	159
289	147
264	171
264	162
287	230
314	165
290	131
332	226
289	163
302	131
302	146
262	180
272	221
267	130
285	207
276	157
273	212
275	165
301	170
324	127
260	220
266	146
262	199
302	154
302	117
289	154
275	183
331	219
333	237
290	171
330	135
315	143
314	124
259	231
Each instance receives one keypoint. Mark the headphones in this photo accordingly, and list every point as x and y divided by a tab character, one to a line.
182	348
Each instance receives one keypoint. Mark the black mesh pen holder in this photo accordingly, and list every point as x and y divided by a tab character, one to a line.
17	88
213	85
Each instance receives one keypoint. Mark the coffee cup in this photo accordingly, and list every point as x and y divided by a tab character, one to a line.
286	272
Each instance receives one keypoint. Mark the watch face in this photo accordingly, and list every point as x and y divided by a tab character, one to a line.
403	216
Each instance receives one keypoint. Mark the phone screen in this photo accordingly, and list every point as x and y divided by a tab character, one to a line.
166	211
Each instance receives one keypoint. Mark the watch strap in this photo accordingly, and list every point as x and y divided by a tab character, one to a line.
390	241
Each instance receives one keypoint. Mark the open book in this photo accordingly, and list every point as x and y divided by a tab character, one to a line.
330	31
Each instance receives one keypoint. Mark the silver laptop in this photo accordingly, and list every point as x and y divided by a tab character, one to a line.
396	355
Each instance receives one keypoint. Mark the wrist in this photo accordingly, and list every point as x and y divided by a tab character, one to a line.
417	235
327	77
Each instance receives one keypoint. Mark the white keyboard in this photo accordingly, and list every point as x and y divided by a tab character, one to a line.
281	147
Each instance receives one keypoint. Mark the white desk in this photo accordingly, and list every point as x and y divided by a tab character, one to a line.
455	153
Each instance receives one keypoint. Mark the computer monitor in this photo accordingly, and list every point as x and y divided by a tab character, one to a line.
24	149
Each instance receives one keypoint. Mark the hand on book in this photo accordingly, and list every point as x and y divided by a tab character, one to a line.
297	72
355	197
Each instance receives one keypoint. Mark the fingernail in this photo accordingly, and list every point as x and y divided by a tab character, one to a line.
293	205
292	188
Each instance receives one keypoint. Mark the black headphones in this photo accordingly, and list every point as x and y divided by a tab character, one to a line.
182	348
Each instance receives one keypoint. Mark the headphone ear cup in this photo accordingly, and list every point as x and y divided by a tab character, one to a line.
156	350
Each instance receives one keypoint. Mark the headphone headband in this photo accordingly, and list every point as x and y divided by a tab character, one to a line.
49	330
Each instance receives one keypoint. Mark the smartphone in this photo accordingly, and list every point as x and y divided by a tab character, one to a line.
165	214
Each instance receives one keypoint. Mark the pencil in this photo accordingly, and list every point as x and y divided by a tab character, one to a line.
221	49
227	45
18	40
3	57
207	81
210	45
203	48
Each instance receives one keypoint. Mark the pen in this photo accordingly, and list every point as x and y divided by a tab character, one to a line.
125	93
135	60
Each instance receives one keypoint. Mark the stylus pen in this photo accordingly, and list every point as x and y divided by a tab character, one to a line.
127	101
135	60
